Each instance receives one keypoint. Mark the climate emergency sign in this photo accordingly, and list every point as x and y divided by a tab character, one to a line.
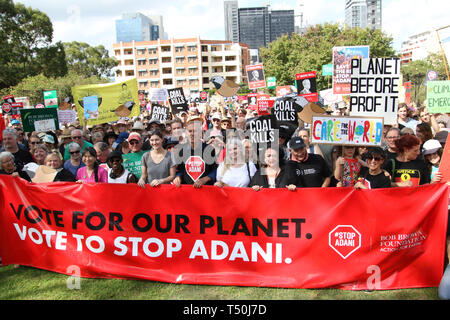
196	235
374	88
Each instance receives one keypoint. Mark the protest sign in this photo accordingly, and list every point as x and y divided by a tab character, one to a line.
160	113
114	101
177	100
158	94
342	58
262	129
327	70
67	116
50	98
286	109
252	100
374	89
40	120
329	98
263	104
271	82
90	107
255	76
353	131
282	91
438	96
306	85
254	238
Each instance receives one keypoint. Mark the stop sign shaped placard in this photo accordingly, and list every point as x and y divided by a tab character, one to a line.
6	107
344	239
195	167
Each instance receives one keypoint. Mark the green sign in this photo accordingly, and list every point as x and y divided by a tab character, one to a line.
271	82
50	98
132	162
327	70
438	96
40	119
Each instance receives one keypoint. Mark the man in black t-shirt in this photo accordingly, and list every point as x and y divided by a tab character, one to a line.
305	170
10	144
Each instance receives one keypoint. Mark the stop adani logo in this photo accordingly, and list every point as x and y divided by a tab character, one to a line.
344	239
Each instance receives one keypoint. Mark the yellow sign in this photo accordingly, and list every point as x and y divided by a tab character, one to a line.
103	103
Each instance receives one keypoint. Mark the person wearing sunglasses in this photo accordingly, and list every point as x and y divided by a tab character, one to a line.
77	136
132	160
75	162
373	176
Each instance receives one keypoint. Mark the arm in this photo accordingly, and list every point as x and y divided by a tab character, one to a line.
338	171
326	182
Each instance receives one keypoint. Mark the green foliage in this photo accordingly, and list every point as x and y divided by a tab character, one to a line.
289	55
416	72
34	86
89	61
26	44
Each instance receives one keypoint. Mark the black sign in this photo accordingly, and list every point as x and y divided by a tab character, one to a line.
286	108
177	100
262	129
160	112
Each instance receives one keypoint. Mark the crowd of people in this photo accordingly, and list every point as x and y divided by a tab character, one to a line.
147	152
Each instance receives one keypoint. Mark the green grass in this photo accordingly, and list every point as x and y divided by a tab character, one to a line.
26	283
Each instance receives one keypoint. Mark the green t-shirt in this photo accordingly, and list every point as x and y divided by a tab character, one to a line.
66	151
132	162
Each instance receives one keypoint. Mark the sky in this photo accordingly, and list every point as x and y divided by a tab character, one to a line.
93	21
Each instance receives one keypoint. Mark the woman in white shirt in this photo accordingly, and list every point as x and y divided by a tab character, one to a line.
234	171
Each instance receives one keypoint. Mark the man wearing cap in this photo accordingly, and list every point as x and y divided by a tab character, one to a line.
195	159
77	136
132	160
305	169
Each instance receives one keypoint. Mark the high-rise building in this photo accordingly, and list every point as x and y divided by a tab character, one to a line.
139	27
231	17
419	46
257	26
363	14
188	63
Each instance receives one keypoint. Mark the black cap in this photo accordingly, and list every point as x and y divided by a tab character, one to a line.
296	143
114	154
441	136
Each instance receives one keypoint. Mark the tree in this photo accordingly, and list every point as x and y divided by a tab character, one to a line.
26	44
293	54
416	72
33	87
89	61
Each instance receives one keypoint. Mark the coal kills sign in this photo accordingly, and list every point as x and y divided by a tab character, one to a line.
286	109
160	112
262	129
177	100
374	88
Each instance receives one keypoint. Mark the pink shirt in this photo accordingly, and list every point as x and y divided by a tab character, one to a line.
83	176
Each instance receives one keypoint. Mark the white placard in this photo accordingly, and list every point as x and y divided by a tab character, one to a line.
45	125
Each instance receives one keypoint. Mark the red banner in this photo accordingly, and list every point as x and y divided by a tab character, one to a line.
309	238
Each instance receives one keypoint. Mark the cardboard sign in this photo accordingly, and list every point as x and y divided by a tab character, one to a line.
255	76
177	100
438	96
353	131
158	94
374	89
306	85
160	113
195	167
50	98
42	119
342	58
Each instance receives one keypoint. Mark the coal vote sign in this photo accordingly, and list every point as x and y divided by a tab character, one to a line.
374	88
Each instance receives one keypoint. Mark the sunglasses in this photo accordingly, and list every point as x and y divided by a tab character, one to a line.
374	158
133	142
76	137
74	152
34	142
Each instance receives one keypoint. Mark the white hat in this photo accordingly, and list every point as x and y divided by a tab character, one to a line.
431	146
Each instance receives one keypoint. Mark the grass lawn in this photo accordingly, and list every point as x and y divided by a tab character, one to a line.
26	283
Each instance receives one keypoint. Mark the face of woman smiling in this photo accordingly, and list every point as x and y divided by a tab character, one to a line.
88	159
433	158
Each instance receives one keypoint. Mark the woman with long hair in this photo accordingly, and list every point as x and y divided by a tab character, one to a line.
235	170
406	169
92	172
270	174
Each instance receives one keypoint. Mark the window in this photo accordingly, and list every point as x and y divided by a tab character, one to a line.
192	48
152	50
142	73
180	71
179	59
142	62
153	61
192	59
154	72
205	59
179	49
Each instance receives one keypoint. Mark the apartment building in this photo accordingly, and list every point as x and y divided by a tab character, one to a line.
188	63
